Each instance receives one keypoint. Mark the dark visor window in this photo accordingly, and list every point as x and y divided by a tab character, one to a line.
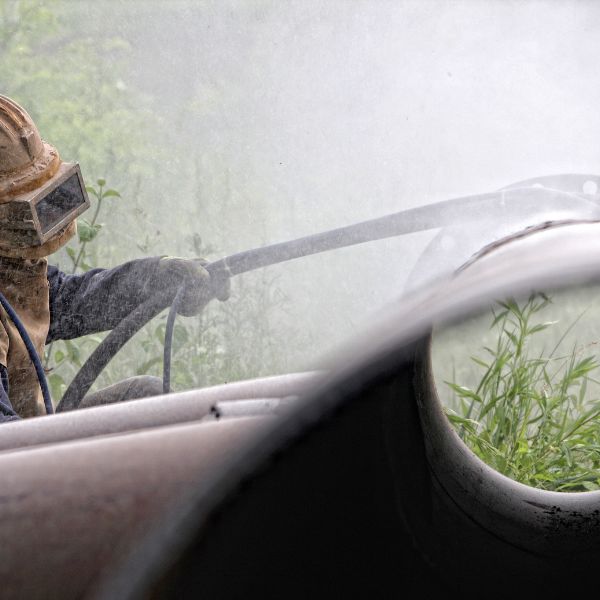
60	202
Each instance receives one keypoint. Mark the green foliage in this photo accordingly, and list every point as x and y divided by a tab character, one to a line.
530	416
75	82
88	230
72	83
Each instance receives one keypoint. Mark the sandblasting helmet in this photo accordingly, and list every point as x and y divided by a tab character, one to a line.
40	196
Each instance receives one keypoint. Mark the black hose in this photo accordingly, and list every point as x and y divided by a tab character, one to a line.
170	327
33	355
111	344
422	218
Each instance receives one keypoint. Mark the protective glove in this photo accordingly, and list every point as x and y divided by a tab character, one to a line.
200	286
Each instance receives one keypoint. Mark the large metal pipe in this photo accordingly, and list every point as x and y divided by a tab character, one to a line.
66	508
473	529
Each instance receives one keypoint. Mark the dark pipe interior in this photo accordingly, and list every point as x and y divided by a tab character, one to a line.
350	507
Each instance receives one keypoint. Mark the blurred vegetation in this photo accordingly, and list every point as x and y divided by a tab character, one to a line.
74	82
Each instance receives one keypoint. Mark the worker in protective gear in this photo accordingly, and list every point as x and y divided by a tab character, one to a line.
40	199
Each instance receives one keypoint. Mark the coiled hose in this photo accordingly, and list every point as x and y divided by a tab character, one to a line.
33	355
169	340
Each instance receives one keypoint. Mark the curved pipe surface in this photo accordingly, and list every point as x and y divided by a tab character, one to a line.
67	508
146	413
449	502
542	522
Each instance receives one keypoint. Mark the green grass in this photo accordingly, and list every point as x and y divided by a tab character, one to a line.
531	416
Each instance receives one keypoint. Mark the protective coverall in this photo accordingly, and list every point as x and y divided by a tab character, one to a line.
41	197
76	305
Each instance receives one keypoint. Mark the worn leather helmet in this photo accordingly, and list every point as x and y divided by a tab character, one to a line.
40	196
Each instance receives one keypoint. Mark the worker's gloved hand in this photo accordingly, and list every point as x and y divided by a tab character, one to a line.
200	286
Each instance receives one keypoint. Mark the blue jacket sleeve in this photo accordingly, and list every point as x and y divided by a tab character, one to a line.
98	300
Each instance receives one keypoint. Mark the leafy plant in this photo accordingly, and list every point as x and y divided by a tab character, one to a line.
88	230
529	416
99	116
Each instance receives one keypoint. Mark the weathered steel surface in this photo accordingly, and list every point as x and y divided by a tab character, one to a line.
254	407
66	508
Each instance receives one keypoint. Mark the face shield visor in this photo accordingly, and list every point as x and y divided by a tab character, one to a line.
33	218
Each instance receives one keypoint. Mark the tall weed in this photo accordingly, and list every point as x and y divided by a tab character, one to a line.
529	416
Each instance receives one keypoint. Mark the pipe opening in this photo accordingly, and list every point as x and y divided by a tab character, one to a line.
520	385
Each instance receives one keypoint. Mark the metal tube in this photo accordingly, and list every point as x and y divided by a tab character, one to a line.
193	405
67	509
